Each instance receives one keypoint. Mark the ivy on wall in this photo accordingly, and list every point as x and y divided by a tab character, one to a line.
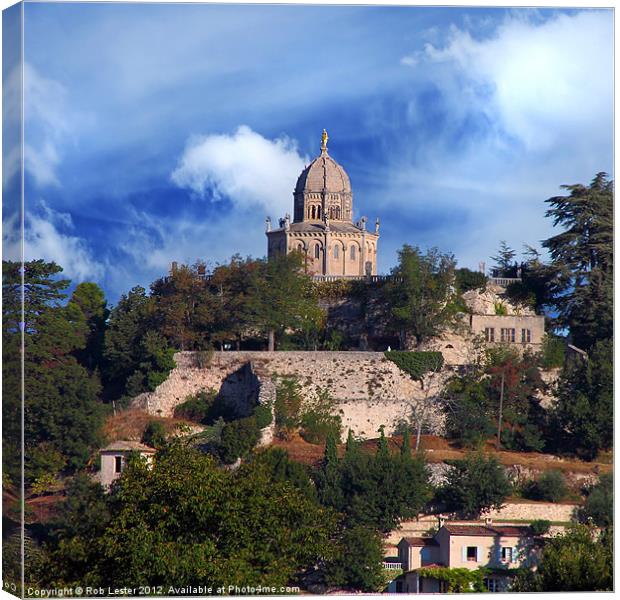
415	364
459	580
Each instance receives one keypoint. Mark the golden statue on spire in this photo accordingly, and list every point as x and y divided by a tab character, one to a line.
324	139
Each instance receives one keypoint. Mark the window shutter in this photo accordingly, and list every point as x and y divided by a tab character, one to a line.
464	553
515	555
499	554
479	551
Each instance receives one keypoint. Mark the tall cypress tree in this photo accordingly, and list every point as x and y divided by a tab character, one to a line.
329	480
405	449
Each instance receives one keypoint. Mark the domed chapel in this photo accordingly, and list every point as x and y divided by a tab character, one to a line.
323	227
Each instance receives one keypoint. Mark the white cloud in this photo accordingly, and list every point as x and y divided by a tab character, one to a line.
245	167
542	83
44	239
50	124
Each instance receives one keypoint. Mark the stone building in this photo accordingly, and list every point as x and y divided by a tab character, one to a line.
114	459
322	227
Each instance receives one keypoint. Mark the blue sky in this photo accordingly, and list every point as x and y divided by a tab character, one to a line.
168	132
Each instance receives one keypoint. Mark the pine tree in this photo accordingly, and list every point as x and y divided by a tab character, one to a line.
582	260
505	265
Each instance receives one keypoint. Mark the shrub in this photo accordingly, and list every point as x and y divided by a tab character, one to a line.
318	422
599	506
238	438
263	416
415	364
203	358
540	526
550	487
287	406
154	435
552	352
500	309
196	407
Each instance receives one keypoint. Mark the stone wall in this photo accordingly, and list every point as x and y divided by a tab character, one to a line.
369	390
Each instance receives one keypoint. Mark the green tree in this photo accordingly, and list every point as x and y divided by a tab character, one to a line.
573	562
186	522
184	308
420	294
358	563
534	288
282	469
62	412
381	490
582	413
137	357
467	280
329	476
238	438
283	297
475	485
582	260
88	307
71	550
234	287
468	411
505	265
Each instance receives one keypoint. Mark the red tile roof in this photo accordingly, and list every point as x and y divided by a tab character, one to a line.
487	530
421	541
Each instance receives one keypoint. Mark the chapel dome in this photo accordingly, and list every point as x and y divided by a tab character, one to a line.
323	174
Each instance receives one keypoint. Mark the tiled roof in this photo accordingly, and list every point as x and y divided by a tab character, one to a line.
421	541
334	227
323	173
124	445
487	530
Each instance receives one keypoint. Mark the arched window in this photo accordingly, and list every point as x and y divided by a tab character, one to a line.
336	251
317	251
352	251
314	212
337	213
318	212
300	247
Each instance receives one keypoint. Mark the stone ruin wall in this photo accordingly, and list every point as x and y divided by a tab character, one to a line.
369	390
